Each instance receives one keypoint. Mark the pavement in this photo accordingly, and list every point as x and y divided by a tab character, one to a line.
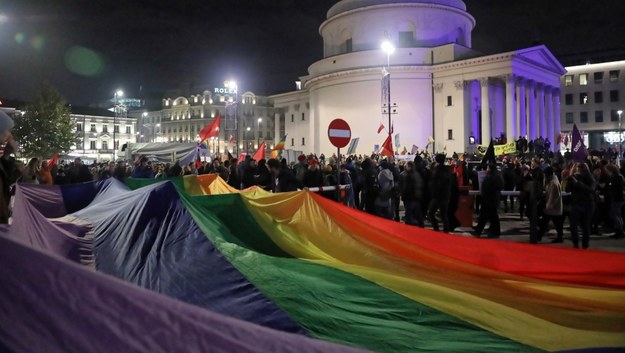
515	230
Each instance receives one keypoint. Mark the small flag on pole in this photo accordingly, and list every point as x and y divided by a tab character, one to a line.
380	128
353	145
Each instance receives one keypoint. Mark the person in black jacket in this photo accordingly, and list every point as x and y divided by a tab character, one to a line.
614	188
491	195
313	176
283	179
440	189
370	186
581	185
411	191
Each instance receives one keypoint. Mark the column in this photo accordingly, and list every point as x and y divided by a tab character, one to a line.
549	114
522	118
485	128
511	117
531	107
540	97
556	116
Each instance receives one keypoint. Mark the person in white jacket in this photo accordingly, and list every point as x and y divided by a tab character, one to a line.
553	206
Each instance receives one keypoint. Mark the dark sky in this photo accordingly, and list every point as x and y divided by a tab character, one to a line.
88	48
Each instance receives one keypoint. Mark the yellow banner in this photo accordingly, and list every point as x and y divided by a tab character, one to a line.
508	148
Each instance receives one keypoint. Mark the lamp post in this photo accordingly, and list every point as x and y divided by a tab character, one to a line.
260	120
620	134
144	115
233	86
118	93
155	133
389	48
247	143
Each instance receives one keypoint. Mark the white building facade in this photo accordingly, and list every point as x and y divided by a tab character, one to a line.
439	86
591	97
247	119
96	137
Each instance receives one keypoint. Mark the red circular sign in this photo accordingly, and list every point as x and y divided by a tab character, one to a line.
339	133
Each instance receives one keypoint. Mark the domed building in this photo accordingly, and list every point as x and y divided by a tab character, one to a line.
439	86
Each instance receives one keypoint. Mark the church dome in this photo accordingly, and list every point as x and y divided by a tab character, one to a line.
361	25
347	5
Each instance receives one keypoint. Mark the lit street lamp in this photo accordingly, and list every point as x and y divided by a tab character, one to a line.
389	48
620	134
118	93
247	142
260	120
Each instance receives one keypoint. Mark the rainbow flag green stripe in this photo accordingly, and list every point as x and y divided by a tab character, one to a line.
331	304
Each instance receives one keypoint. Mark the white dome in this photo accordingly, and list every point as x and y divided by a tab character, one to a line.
361	25
347	5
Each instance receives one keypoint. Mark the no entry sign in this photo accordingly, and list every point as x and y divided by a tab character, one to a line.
339	133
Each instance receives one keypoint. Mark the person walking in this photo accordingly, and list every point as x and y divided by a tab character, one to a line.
553	206
384	202
440	191
581	185
491	195
614	188
411	191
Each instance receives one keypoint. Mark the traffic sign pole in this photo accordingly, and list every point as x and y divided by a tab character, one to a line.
339	134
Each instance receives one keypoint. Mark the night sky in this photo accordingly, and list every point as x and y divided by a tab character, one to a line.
89	48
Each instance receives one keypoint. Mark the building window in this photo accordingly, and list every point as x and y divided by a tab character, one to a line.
92	145
568	99
292	118
583	98
128	130
613	115
450	134
599	116
116	129
303	141
105	128
598	76
568	80
449	101
614	74
614	96
583	117
569	118
292	142
105	145
598	97
583	79
303	117
93	128
406	39
79	127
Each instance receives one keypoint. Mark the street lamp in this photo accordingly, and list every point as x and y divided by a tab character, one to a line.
260	120
118	93
620	134
389	48
247	142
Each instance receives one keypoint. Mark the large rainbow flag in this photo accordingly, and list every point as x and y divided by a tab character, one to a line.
192	265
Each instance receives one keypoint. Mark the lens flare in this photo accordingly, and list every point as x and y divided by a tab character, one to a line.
84	61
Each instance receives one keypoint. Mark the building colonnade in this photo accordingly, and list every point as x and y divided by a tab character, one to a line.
532	109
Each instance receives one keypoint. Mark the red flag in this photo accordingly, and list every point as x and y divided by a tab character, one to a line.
54	161
387	147
380	128
211	129
260	153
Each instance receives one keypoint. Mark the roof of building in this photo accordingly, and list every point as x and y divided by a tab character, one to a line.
76	110
348	5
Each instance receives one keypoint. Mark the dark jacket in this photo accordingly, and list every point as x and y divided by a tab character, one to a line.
410	186
313	178
491	188
614	188
582	189
285	182
440	182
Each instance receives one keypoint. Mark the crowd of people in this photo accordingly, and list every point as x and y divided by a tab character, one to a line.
549	187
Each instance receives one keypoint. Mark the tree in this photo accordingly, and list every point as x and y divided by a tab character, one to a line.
46	126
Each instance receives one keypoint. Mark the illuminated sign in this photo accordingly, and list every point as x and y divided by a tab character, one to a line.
226	90
612	137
